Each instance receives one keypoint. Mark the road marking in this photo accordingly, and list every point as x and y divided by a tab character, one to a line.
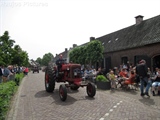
106	114
114	106
111	110
101	119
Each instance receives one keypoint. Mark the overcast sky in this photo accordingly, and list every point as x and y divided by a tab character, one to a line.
42	26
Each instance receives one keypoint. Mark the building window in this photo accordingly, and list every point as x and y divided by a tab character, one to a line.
124	60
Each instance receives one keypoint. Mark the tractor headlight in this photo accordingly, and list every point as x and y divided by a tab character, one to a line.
67	68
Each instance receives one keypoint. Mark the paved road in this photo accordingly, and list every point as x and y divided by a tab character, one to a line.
32	102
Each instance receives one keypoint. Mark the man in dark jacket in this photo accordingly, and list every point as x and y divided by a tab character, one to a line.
142	70
59	63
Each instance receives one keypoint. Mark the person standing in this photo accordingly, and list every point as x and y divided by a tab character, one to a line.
6	73
142	70
112	78
26	71
1	74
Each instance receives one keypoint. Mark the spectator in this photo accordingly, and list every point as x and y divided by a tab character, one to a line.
15	69
156	70
94	72
99	72
123	73
116	71
131	78
128	66
12	73
6	73
26	71
156	83
141	70
107	75
1	73
112	79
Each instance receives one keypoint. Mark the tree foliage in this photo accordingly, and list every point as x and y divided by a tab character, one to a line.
39	60
47	58
10	53
88	54
94	52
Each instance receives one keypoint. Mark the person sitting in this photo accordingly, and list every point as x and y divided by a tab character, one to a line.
123	73
131	78
99	72
59	63
156	83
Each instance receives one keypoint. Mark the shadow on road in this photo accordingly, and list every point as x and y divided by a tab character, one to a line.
147	101
42	93
70	100
57	100
129	91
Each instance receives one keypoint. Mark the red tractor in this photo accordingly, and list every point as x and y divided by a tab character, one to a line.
70	75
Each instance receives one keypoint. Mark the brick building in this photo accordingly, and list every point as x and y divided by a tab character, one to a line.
133	43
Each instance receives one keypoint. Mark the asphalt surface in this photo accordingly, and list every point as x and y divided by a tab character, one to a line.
32	102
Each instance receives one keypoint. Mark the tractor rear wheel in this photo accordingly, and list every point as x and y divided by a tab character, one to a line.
63	92
50	78
91	90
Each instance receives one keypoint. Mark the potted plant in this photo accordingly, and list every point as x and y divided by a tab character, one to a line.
102	82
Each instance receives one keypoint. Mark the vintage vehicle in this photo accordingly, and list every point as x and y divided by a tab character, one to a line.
35	69
70	75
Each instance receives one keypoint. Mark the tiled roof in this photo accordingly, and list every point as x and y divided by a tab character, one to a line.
147	32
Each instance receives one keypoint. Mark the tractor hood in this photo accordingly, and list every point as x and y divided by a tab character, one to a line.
70	66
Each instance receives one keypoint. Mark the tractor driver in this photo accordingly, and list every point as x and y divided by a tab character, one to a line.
59	63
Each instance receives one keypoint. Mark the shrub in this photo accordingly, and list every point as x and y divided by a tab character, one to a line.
101	78
7	91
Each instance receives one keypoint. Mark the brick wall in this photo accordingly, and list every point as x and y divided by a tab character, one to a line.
149	50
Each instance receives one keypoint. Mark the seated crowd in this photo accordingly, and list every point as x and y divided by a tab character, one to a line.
125	77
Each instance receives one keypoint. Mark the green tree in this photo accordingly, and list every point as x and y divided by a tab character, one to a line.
39	60
47	58
19	56
94	52
10	53
6	45
24	58
78	55
88	54
75	54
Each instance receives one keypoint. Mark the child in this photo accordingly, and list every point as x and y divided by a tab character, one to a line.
112	79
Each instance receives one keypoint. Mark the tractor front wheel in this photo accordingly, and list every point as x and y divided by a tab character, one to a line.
63	92
91	90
